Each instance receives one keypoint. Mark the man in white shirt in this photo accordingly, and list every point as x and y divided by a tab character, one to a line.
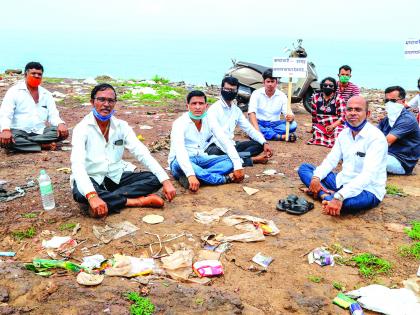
414	103
23	113
361	183
227	115
265	108
187	160
100	178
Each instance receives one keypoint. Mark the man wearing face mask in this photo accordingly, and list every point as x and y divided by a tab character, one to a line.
345	88
363	150
227	115
188	161
101	180
25	109
402	133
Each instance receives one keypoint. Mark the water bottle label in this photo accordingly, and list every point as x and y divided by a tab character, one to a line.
46	189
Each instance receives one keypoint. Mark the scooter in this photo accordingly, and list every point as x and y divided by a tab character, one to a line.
250	78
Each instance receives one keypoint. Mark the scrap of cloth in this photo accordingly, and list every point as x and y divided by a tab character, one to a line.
16	193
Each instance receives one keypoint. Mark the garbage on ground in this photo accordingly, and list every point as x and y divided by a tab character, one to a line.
113	231
153	219
270	172
92	262
55	242
379	298
128	266
250	191
7	254
262	260
253	236
90	81
208	268
42	266
343	300
205	254
250	223
140	137
89	279
65	170
355	309
58	94
220	248
178	264
144	90
321	256
207	217
16	193
145	127
413	284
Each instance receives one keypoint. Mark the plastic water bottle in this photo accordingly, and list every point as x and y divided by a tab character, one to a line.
46	188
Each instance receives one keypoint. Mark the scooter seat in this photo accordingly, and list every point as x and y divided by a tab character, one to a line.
253	66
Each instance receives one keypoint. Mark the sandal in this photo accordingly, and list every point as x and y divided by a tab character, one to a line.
286	204
301	206
292	137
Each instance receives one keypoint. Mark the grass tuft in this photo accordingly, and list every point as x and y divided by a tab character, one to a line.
141	305
370	265
394	190
67	226
315	279
28	233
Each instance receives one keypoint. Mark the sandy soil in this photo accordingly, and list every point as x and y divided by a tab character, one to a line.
284	288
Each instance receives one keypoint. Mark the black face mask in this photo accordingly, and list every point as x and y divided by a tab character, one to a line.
228	95
418	86
327	91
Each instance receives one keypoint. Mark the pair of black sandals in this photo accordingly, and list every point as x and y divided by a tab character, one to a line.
294	205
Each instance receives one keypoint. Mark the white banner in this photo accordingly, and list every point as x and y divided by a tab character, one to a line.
290	67
412	49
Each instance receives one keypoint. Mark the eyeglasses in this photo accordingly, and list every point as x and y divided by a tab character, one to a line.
357	110
229	90
103	100
393	100
328	85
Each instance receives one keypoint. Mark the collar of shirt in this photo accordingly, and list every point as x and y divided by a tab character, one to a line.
21	85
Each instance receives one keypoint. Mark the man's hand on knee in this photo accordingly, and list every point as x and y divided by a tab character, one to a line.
194	183
6	138
62	131
315	187
168	190
332	207
238	175
98	206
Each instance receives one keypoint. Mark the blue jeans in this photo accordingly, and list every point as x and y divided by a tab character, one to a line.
272	130
209	169
393	166
364	201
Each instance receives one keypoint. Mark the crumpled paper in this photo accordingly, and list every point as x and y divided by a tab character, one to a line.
207	217
113	231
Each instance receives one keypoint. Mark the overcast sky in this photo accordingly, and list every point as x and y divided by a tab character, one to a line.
364	19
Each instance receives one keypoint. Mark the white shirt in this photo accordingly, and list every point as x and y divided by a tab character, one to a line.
268	108
92	156
228	117
187	141
19	110
358	173
415	102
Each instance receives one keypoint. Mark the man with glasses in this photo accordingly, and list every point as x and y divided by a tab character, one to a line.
363	150
345	88
402	133
266	106
188	162
227	115
25	109
102	181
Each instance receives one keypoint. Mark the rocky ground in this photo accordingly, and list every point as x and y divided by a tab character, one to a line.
289	285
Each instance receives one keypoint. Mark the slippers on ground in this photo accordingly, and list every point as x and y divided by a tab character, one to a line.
294	205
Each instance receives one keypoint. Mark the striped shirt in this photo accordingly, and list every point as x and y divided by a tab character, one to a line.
349	91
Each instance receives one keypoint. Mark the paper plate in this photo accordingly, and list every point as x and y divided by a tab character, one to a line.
153	219
89	279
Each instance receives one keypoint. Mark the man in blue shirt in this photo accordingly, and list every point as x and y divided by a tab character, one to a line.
402	133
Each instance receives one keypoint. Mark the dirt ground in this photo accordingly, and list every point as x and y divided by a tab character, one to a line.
284	288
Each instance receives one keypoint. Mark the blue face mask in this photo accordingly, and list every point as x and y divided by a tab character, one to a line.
100	117
192	116
358	128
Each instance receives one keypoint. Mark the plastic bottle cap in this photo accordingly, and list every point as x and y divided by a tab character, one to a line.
42	172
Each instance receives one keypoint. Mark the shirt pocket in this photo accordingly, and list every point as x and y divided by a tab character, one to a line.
43	113
118	145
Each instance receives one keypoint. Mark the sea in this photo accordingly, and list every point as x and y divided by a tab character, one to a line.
201	59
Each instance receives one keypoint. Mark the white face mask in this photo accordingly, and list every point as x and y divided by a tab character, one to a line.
393	111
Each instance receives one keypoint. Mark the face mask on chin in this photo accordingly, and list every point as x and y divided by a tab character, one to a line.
33	82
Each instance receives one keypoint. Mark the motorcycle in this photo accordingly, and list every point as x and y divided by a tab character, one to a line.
250	78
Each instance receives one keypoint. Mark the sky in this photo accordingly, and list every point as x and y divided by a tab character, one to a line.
355	19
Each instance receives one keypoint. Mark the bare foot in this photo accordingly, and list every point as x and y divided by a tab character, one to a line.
260	159
153	201
49	146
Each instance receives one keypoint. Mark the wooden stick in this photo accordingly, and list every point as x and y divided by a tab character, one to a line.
289	105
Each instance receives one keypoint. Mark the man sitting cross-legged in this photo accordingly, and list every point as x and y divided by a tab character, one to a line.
100	178
187	160
361	183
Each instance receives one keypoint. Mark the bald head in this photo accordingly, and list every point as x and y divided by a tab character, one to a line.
360	100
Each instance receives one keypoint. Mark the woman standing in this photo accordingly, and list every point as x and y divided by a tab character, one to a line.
327	114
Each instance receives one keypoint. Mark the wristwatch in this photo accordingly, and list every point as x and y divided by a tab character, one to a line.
338	196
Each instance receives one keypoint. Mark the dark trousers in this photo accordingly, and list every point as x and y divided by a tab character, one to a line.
31	142
364	201
246	150
132	185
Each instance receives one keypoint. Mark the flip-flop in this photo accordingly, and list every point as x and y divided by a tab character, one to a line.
285	204
301	206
